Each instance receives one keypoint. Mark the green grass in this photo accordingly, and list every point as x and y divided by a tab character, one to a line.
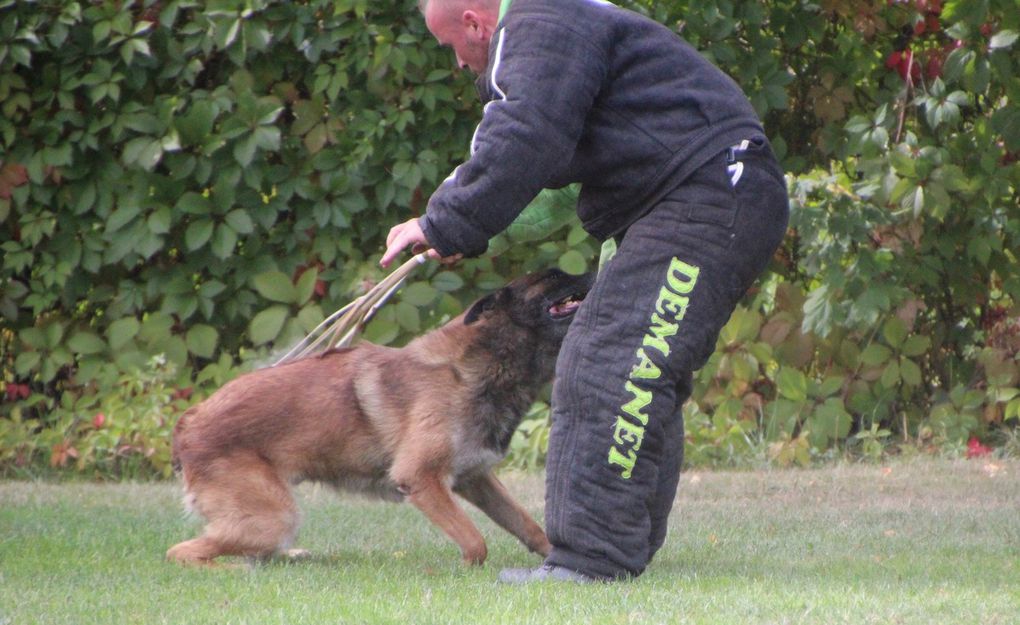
917	542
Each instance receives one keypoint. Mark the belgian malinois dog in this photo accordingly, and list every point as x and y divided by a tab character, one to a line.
417	423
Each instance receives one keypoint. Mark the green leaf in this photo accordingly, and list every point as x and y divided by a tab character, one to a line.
86	343
316	138
33	337
742	327
903	163
875	354
223	242
275	286
267	138
193	203
831	385
196	125
201	340
957	62
305	286
792	384
829	421
891	374
1002	40
101	31
1012	410
267	324
309	317
159	221
910	372
383	329
121	217
26	363
818	311
239	220
198	233
408	317
1006	122
418	294
145	152
447	281
895	332
211	288
546	214
54	335
121	331
916	345
1005	394
573	262
225	37
244	150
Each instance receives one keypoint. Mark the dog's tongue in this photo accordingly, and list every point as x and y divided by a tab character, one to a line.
565	307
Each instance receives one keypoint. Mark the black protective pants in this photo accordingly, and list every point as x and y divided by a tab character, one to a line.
625	369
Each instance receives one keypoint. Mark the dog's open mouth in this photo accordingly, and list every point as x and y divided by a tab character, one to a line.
566	306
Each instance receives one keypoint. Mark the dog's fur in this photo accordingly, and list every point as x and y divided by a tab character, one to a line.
415	423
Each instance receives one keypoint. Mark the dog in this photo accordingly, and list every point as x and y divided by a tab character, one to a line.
417	423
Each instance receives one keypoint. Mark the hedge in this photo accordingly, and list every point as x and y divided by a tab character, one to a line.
187	186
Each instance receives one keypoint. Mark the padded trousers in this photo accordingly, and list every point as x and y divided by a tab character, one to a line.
626	366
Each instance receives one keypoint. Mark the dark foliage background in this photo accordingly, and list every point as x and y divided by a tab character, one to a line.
187	186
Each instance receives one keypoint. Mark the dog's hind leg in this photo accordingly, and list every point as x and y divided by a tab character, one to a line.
199	551
249	509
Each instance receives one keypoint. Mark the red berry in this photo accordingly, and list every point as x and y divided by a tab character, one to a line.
975	449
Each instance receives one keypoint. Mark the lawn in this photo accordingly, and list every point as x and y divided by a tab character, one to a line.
922	541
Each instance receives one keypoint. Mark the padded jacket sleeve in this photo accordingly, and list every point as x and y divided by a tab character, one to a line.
544	78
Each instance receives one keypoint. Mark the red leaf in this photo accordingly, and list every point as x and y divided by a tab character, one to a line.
61	453
11	175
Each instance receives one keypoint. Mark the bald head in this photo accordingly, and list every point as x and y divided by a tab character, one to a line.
466	26
486	5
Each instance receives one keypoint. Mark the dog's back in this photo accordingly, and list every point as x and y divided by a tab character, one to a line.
302	417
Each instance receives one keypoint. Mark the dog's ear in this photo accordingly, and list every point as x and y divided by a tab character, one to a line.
484	305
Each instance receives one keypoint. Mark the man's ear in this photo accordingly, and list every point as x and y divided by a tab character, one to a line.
474	27
484	305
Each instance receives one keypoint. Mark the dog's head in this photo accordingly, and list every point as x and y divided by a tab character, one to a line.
543	302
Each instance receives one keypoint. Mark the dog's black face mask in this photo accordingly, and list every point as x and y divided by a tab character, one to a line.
544	301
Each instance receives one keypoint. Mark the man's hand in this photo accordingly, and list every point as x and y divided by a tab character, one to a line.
409	233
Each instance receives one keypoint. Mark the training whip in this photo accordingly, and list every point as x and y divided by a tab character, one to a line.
339	329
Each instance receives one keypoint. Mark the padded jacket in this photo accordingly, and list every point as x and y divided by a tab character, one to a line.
584	91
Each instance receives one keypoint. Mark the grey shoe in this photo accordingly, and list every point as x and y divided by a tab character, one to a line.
544	573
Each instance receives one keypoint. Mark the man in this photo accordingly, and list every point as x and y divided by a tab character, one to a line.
674	166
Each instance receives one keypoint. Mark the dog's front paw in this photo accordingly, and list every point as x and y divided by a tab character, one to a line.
296	554
475	554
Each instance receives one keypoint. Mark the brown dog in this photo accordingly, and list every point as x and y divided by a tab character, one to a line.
409	423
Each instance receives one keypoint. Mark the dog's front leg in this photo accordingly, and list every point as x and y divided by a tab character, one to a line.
492	498
430	495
